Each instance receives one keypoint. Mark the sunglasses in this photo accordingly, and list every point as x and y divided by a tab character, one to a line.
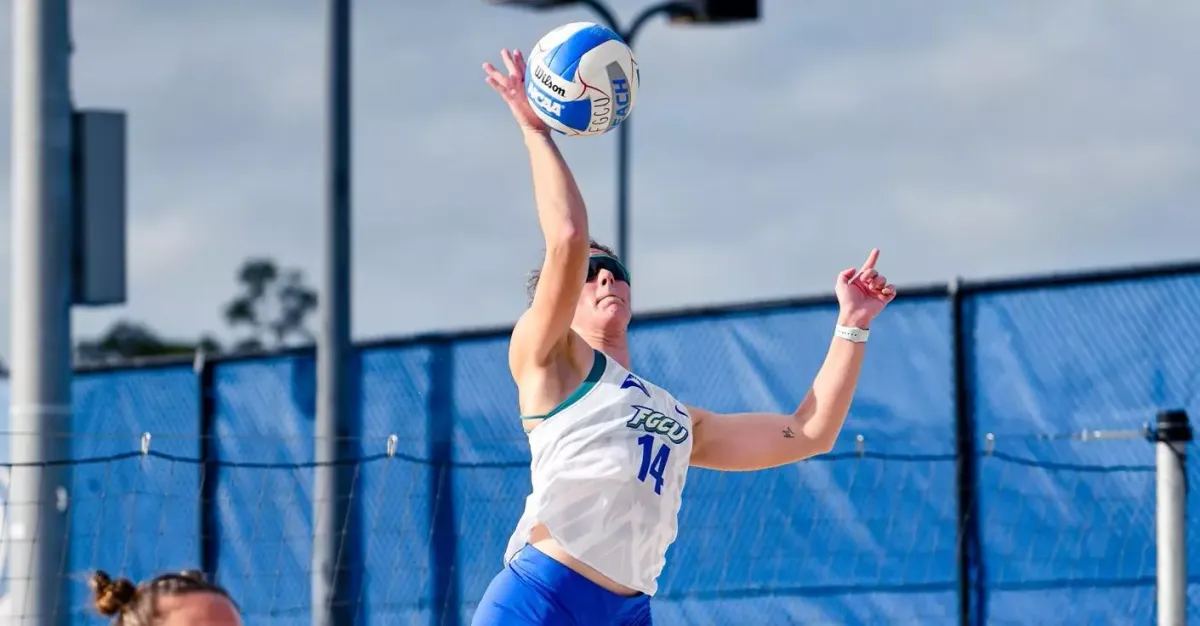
598	262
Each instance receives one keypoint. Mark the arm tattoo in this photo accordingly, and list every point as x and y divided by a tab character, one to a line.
788	434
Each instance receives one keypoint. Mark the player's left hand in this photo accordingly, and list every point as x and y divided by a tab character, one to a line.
862	293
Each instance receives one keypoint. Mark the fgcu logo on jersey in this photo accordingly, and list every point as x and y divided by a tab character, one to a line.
657	423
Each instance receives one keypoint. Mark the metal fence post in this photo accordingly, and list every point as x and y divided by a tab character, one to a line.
1172	435
967	552
442	514
209	475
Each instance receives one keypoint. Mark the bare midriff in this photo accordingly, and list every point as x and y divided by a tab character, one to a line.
540	538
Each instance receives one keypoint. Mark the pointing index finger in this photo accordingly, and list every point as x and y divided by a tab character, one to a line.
869	264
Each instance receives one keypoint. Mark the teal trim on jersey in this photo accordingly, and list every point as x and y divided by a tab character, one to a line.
590	381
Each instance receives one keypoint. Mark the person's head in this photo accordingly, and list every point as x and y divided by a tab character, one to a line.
183	599
604	303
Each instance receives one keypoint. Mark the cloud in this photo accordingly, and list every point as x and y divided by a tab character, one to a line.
979	139
965	143
162	245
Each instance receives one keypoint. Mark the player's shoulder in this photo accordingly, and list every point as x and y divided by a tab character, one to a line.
525	350
570	353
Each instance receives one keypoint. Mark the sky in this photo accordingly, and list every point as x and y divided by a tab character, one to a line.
979	139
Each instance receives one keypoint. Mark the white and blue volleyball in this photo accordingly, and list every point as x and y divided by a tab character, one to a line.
581	79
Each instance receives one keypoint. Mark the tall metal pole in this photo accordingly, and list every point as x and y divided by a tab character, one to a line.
662	8
606	15
609	19
41	310
1173	434
331	605
623	193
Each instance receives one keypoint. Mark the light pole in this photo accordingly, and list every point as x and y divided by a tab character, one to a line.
42	242
679	12
330	591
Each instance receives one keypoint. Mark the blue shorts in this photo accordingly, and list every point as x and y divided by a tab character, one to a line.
536	590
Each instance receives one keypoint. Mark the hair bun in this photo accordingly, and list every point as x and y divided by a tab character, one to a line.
111	597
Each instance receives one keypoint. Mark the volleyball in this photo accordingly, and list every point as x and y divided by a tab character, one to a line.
581	79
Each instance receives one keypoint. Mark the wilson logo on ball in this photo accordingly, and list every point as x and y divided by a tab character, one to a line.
541	75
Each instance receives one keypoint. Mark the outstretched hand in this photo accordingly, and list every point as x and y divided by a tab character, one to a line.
862	293
511	87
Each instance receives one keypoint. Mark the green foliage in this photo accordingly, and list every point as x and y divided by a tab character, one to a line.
269	311
126	340
271	308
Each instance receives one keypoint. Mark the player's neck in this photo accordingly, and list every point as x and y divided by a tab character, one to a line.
614	344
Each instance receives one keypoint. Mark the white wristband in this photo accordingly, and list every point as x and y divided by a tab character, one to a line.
849	333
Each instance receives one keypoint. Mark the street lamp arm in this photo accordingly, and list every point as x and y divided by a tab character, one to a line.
670	8
606	15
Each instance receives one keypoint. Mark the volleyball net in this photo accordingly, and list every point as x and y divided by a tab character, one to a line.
856	536
968	472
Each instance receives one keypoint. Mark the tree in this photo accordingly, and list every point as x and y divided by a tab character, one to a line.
271	308
126	340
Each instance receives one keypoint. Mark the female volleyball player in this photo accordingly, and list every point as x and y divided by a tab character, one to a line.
610	450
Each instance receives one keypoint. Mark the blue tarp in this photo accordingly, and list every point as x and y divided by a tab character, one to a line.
139	516
1073	535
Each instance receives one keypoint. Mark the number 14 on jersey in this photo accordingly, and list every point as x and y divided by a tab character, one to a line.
653	463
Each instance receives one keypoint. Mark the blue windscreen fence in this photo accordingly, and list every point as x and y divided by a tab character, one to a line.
1070	531
138	515
1061	528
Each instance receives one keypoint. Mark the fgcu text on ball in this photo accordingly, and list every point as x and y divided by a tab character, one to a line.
603	114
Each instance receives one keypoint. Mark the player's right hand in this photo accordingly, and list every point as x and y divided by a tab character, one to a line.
511	87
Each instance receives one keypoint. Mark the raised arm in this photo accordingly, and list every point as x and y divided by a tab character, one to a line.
750	441
543	331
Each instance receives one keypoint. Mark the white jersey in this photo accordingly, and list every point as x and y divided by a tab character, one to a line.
608	468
